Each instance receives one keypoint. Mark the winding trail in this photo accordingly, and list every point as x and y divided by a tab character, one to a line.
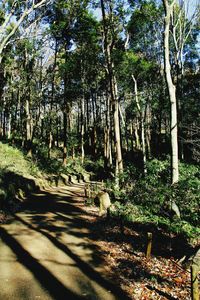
45	251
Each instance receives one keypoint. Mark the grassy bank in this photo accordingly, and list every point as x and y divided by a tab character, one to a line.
19	176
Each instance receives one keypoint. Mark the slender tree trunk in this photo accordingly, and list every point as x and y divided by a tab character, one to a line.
107	142
28	129
126	137
131	136
65	112
148	130
42	129
143	144
57	131
4	124
148	142
94	132
136	132
82	128
119	162
65	137
172	94
142	117
9	126
87	121
50	142
110	68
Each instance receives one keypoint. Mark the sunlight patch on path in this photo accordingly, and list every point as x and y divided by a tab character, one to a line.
53	243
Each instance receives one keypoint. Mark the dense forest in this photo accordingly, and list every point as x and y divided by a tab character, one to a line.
107	90
113	82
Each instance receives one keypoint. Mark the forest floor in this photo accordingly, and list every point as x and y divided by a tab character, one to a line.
58	248
122	248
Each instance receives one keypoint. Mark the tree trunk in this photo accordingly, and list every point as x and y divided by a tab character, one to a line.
137	138
142	117
119	162
144	157
107	143
28	129
82	128
64	137
51	103
4	125
110	69
65	113
172	94
9	126
148	130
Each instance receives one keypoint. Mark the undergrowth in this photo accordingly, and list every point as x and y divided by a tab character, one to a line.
139	199
148	199
20	175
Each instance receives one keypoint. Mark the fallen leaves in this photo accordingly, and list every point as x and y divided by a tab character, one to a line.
123	257
157	278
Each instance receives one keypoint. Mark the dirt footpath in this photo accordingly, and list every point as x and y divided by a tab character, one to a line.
45	252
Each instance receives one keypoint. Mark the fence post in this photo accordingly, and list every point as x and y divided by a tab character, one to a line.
194	283
87	191
149	244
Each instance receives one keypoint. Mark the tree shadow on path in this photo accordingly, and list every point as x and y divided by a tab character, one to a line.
56	289
42	213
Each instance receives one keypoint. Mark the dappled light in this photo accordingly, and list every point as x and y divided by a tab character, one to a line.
49	238
99	149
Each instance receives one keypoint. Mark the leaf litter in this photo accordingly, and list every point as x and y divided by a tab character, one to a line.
157	278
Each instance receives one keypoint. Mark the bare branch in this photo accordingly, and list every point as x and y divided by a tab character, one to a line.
7	20
4	40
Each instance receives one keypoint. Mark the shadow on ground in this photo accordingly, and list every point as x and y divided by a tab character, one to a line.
131	239
55	216
165	245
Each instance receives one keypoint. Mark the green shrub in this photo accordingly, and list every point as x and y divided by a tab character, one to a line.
152	195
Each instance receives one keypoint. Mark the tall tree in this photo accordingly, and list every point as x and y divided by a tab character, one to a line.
169	7
110	39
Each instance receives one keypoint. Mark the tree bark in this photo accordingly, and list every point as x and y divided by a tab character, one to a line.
110	69
107	139
142	116
172	94
28	129
82	128
51	103
65	137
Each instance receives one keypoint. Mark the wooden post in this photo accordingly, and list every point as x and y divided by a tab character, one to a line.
87	190
149	244
194	283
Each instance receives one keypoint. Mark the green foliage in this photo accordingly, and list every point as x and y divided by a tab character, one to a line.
139	66
96	168
2	16
16	176
147	200
54	165
74	167
145	26
12	159
45	164
129	212
76	69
